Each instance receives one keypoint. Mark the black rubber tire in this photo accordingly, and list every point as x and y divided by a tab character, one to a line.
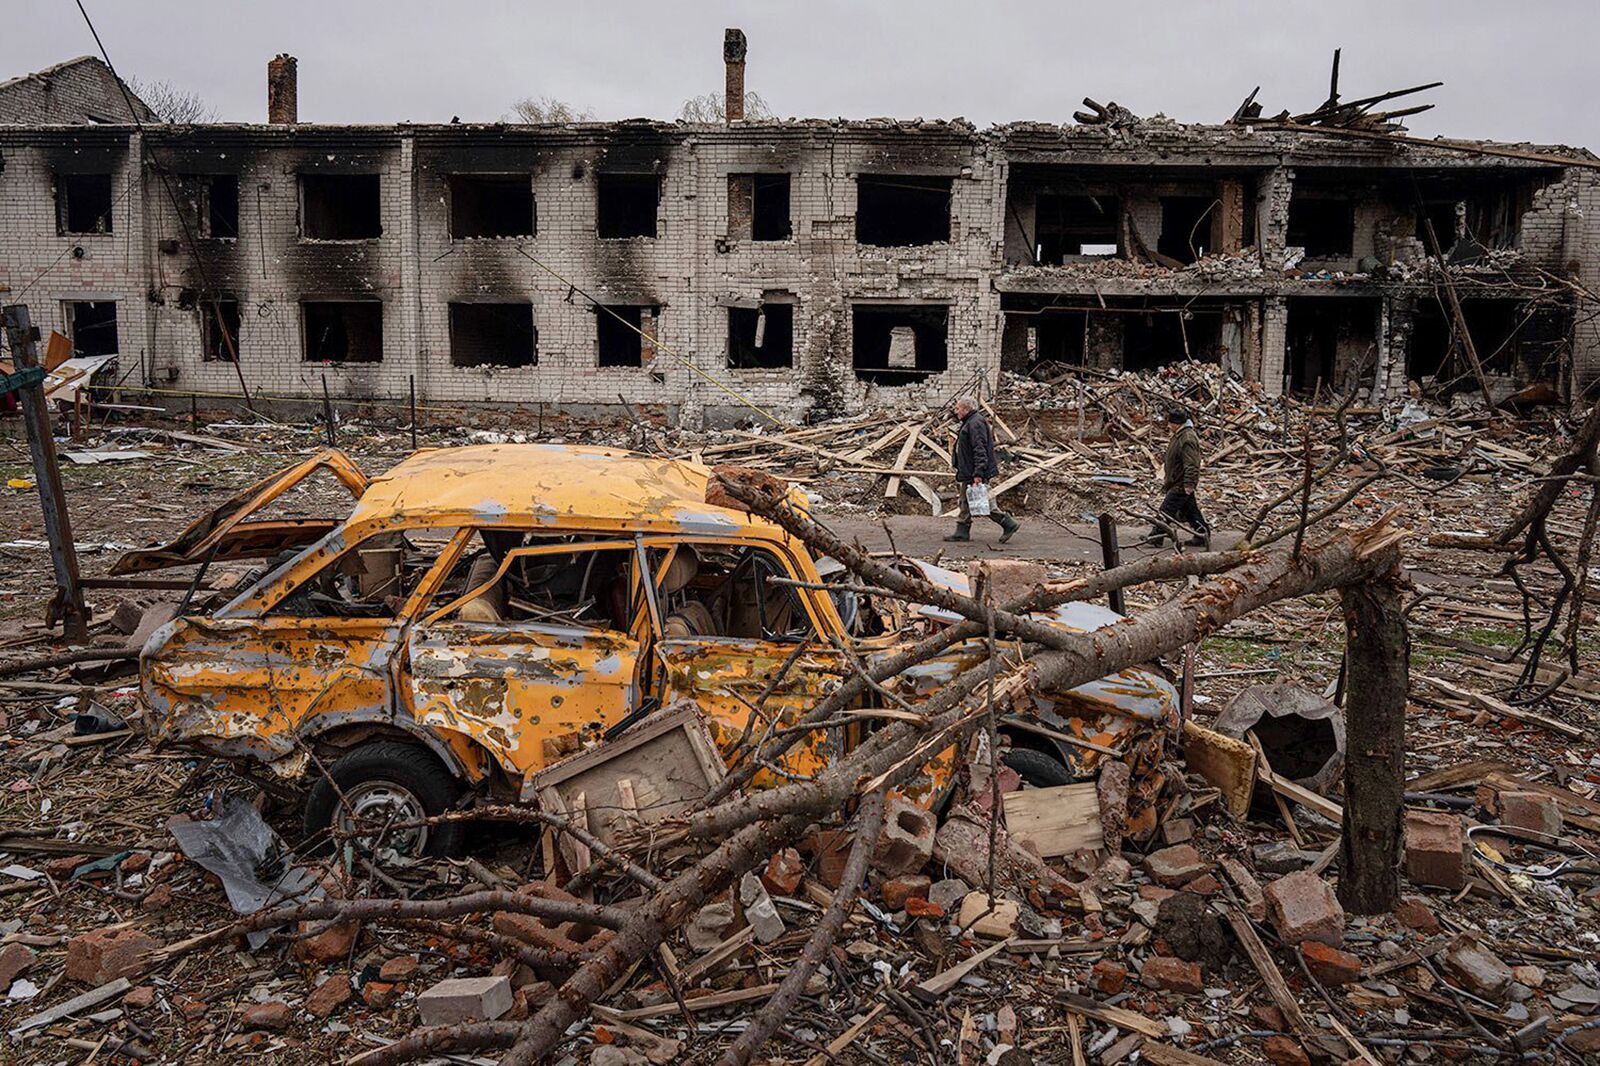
410	766
1039	769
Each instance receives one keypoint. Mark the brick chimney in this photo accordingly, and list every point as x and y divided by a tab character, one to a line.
283	96
733	47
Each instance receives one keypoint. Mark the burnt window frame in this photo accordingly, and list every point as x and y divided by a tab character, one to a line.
1344	249
606	326
453	307
70	315
897	376
203	189
62	188
784	329
872	187
521	180
625	178
1074	230
208	310
305	332
302	178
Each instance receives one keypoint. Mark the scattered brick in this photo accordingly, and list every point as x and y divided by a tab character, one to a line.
1302	907
1171	975
923	908
1433	846
897	890
465	999
1478	969
1330	965
1415	915
905	843
398	968
14	962
332	944
784	872
274	1015
830	850
1174	866
107	954
1530	810
141	998
329	996
1284	1051
1108	976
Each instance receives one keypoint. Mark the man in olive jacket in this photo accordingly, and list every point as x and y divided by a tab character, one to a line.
975	464
1182	478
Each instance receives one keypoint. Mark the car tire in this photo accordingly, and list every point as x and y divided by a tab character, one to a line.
1037	768
393	776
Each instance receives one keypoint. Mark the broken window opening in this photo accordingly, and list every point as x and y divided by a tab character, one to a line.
899	344
342	331
902	210
92	327
1186	223
215	198
492	205
1330	340
83	203
219	330
724	591
1437	350
591	588
1324	227
1159	337
340	207
619	343
374	579
626	205
1444	215
1076	225
498	334
761	337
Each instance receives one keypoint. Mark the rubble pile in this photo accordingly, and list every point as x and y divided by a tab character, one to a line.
1185	902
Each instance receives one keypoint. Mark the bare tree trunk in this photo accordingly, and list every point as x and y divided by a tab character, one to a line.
1379	651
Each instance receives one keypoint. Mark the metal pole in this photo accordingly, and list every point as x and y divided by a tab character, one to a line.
327	415
412	381
67	605
1111	555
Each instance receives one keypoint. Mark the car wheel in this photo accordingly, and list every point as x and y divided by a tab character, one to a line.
1039	769
387	783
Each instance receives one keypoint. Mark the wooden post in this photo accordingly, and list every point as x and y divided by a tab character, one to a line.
67	604
1111	556
327	415
1377	653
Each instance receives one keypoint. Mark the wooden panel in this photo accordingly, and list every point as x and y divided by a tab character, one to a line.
1055	821
1227	763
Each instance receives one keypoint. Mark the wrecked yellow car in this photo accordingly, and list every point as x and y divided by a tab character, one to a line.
485	612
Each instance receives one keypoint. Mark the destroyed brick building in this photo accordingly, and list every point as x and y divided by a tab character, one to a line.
821	265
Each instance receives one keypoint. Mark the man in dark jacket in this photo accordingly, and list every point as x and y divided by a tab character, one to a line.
975	464
1182	478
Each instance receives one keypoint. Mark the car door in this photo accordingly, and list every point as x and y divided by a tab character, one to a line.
537	656
315	638
754	657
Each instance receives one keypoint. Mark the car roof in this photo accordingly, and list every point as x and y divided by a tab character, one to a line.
556	485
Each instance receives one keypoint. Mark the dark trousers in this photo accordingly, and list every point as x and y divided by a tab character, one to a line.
964	518
1186	509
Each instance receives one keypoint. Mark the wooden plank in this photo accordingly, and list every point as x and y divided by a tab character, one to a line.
1167	1055
1226	763
1007	484
696	1003
707	963
91	998
1055	821
846	1038
900	461
1271	976
1117	1016
1505	710
936	986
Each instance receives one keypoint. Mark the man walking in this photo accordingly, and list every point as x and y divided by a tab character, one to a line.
975	464
1182	478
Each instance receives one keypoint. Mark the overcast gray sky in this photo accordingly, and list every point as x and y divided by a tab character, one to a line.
1512	71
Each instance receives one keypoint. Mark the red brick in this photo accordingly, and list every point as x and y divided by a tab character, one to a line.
1434	853
830	850
1303	907
1171	975
329	996
784	871
61	869
377	994
1530	810
1204	885
1415	915
332	944
141	998
1174	866
922	908
399	968
158	898
14	962
191	1008
1330	965
905	843
107	954
897	890
274	1014
1156	893
1108	976
1283	1051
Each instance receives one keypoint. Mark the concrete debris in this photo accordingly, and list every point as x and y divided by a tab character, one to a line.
1303	907
759	910
464	999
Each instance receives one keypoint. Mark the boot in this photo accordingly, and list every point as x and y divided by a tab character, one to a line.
963	532
1009	529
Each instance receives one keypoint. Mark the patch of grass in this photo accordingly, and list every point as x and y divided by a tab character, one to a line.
1490	636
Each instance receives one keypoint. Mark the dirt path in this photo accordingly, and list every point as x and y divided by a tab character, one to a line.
923	536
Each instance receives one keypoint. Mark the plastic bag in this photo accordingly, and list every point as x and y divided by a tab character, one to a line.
978	500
